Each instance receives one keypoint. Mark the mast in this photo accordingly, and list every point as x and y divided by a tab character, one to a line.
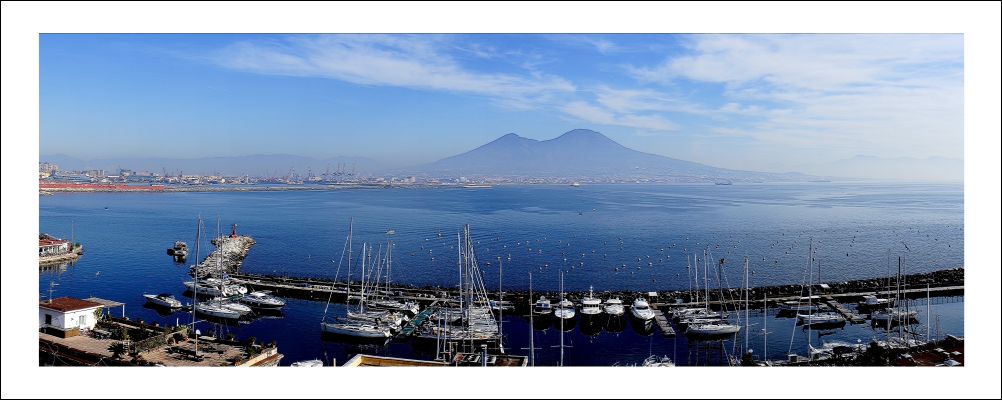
765	322
746	304
194	288
532	327
706	283
500	306
559	305
928	318
810	294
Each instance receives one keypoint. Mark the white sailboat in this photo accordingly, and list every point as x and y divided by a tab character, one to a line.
357	329
712	324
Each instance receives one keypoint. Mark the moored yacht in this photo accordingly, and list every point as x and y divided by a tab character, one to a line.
591	305
564	310
163	300
355	329
216	310
542	306
262	299
641	310
821	318
613	307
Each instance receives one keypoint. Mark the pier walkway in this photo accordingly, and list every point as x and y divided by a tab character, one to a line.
848	314
663	323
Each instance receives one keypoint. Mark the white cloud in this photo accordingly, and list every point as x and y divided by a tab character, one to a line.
416	62
601	115
846	93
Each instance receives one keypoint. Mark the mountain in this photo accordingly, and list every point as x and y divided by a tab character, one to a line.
255	165
579	154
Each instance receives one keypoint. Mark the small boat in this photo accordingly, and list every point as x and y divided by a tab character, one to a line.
591	305
409	307
355	329
822	318
655	361
542	306
893	314
215	310
262	299
213	289
564	310
641	310
163	300
382	318
307	363
712	329
613	307
801	306
232	305
179	251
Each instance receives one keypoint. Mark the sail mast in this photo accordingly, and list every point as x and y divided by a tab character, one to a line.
532	327
194	288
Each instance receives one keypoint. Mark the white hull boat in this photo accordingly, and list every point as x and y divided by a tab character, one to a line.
356	330
307	363
642	310
712	329
564	310
893	314
216	311
614	307
590	305
262	299
824	318
162	300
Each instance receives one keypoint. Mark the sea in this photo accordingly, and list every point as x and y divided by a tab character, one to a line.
603	237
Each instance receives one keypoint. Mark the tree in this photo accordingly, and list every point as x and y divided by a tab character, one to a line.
117	349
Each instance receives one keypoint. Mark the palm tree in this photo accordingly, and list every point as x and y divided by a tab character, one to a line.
117	349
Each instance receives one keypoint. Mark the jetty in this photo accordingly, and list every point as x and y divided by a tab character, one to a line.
846	313
227	257
663	323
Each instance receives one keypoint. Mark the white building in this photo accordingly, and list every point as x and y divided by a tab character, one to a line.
66	316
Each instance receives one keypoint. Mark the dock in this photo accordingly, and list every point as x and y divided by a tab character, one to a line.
417	321
848	314
663	323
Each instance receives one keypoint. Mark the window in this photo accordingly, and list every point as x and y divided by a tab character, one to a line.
83	320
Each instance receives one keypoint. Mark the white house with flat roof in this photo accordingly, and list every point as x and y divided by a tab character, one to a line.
66	316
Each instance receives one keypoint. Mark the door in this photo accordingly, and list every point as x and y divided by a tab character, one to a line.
48	319
83	321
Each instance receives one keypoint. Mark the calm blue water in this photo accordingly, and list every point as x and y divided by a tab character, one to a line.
610	236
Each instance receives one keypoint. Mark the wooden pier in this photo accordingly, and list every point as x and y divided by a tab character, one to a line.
848	314
663	323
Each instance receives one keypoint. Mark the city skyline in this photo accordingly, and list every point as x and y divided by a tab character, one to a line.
771	103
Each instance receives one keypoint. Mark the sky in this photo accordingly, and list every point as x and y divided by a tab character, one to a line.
775	103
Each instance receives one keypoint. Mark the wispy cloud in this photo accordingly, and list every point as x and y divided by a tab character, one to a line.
889	93
416	62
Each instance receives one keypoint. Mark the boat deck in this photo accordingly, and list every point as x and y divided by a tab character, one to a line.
417	321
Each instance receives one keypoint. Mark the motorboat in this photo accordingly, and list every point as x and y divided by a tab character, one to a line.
642	310
307	363
564	310
232	305
613	307
656	361
163	300
591	305
262	299
391	319
542	306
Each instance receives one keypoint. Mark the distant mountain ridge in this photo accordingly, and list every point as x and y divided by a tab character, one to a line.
255	165
580	154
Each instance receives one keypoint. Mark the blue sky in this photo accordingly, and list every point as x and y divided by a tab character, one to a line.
757	102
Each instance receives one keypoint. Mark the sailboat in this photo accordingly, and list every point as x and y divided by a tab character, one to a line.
479	324
713	324
354	328
823	318
894	315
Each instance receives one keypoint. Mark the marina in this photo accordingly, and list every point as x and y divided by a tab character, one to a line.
267	267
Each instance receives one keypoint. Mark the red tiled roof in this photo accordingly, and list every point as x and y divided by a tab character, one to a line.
67	304
49	242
